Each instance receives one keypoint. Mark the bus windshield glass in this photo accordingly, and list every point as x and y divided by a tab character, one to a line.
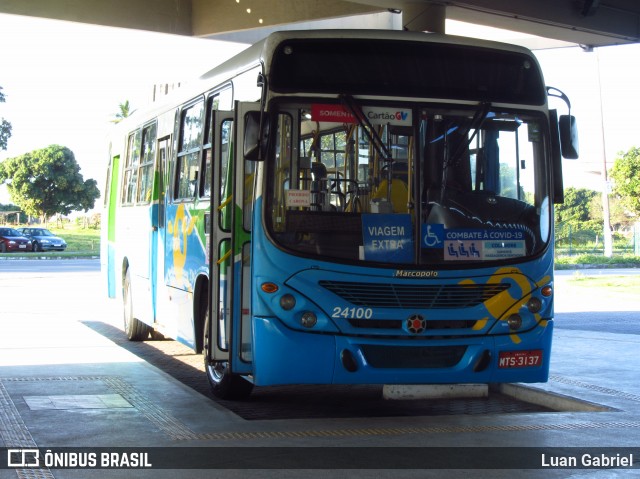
408	184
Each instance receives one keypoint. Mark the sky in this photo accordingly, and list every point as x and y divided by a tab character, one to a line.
63	83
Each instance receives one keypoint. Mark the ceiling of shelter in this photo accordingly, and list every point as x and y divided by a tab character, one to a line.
584	22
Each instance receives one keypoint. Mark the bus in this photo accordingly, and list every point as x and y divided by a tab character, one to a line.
345	207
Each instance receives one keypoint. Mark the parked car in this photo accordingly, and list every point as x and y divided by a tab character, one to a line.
13	240
43	239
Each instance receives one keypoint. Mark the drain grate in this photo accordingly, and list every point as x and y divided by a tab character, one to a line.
77	401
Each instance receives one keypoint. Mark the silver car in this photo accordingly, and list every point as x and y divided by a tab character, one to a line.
43	240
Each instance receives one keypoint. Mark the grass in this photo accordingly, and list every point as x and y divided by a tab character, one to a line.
624	260
627	286
79	240
612	283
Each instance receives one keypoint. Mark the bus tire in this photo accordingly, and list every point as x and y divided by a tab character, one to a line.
224	384
135	329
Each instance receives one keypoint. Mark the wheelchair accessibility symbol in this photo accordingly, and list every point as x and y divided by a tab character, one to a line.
433	236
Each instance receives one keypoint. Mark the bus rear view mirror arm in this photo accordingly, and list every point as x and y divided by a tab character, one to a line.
568	127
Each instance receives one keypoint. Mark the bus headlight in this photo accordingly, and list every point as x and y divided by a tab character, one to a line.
287	302
514	321
534	305
308	319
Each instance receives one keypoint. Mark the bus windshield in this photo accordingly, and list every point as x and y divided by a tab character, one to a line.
408	184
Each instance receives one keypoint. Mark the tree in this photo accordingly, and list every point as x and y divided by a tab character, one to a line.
574	218
576	209
125	111
626	177
47	182
5	127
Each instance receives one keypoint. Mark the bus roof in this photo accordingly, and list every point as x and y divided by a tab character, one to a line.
261	51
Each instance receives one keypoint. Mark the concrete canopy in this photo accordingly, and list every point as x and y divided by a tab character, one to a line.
585	22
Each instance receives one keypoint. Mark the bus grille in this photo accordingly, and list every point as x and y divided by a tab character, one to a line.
412	357
444	324
414	296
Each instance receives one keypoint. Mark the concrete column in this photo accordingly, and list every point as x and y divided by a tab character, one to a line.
423	17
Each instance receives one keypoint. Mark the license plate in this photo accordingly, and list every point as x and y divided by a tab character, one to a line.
520	359
23	246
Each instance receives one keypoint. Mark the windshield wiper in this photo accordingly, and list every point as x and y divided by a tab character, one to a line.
372	135
476	122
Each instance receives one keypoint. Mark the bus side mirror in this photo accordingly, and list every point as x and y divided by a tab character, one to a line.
255	140
568	137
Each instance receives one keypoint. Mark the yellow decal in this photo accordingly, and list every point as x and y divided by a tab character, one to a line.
180	225
502	305
480	324
544	280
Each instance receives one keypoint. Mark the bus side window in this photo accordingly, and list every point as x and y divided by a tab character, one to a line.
130	177
225	162
207	148
145	175
189	148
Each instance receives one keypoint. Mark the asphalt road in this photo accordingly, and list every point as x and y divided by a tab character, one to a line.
49	266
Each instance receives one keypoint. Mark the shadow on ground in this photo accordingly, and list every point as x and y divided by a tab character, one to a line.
299	402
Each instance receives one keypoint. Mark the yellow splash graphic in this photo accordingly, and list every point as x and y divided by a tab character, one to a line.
182	225
503	304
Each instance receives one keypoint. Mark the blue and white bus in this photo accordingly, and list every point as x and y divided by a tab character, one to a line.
345	207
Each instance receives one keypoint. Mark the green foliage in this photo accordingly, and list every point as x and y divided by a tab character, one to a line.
124	112
579	211
47	182
626	176
5	127
627	260
21	217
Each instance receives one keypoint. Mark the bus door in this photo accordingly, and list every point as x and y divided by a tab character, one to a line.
220	236
244	179
231	244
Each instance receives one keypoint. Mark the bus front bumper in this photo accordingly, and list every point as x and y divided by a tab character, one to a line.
285	356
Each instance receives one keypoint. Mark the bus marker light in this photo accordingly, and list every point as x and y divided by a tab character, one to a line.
309	319
287	302
546	291
269	287
514	321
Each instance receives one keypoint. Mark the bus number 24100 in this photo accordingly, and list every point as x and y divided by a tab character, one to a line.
357	313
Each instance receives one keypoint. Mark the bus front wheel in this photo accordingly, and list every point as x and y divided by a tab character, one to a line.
135	329
224	384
